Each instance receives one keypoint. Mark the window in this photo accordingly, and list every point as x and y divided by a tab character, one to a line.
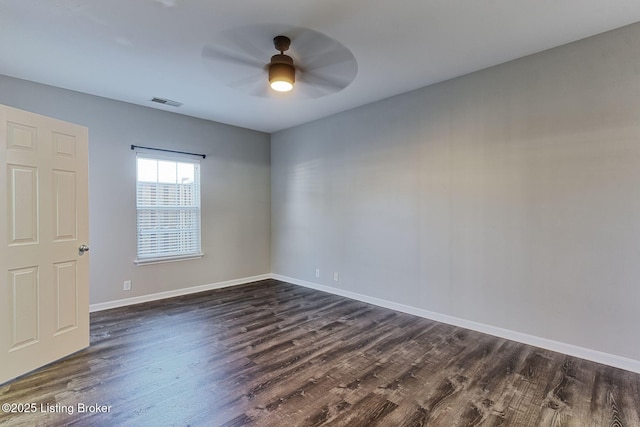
168	208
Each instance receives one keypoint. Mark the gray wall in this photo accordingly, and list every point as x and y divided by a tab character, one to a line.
235	189
509	197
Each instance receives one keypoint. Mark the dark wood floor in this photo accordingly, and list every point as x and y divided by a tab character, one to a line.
274	354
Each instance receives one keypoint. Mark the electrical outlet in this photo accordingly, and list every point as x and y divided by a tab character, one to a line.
127	285
317	272
336	276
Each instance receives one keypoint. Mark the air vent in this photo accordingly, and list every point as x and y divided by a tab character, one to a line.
167	102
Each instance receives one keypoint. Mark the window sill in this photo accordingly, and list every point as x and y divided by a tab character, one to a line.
162	260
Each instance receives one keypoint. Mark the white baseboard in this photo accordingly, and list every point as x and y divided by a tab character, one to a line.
560	347
169	294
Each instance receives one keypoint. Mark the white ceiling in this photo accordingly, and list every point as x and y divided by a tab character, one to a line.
133	50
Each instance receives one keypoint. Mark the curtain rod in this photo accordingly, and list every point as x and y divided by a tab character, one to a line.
133	147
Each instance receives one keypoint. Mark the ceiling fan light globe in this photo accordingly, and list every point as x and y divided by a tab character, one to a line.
281	86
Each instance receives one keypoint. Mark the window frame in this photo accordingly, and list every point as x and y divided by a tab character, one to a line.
158	258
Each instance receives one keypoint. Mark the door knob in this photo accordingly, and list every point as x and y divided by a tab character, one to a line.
83	248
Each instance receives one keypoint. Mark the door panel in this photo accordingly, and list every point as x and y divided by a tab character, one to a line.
21	136
24	303
22	204
64	145
66	284
64	213
44	302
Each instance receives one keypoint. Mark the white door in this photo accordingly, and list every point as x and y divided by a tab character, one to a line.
44	276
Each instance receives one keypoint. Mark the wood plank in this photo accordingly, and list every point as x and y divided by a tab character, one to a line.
274	354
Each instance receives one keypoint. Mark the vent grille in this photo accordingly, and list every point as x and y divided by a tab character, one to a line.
167	102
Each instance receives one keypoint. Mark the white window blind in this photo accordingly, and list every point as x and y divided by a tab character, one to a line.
168	208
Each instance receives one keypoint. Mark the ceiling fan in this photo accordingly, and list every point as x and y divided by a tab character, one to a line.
313	66
282	73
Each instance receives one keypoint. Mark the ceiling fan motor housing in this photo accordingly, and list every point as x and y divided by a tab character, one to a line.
281	68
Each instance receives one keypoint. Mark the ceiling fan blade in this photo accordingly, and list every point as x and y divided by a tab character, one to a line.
322	62
307	41
246	45
304	90
330	83
328	58
214	53
262	90
248	81
252	41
